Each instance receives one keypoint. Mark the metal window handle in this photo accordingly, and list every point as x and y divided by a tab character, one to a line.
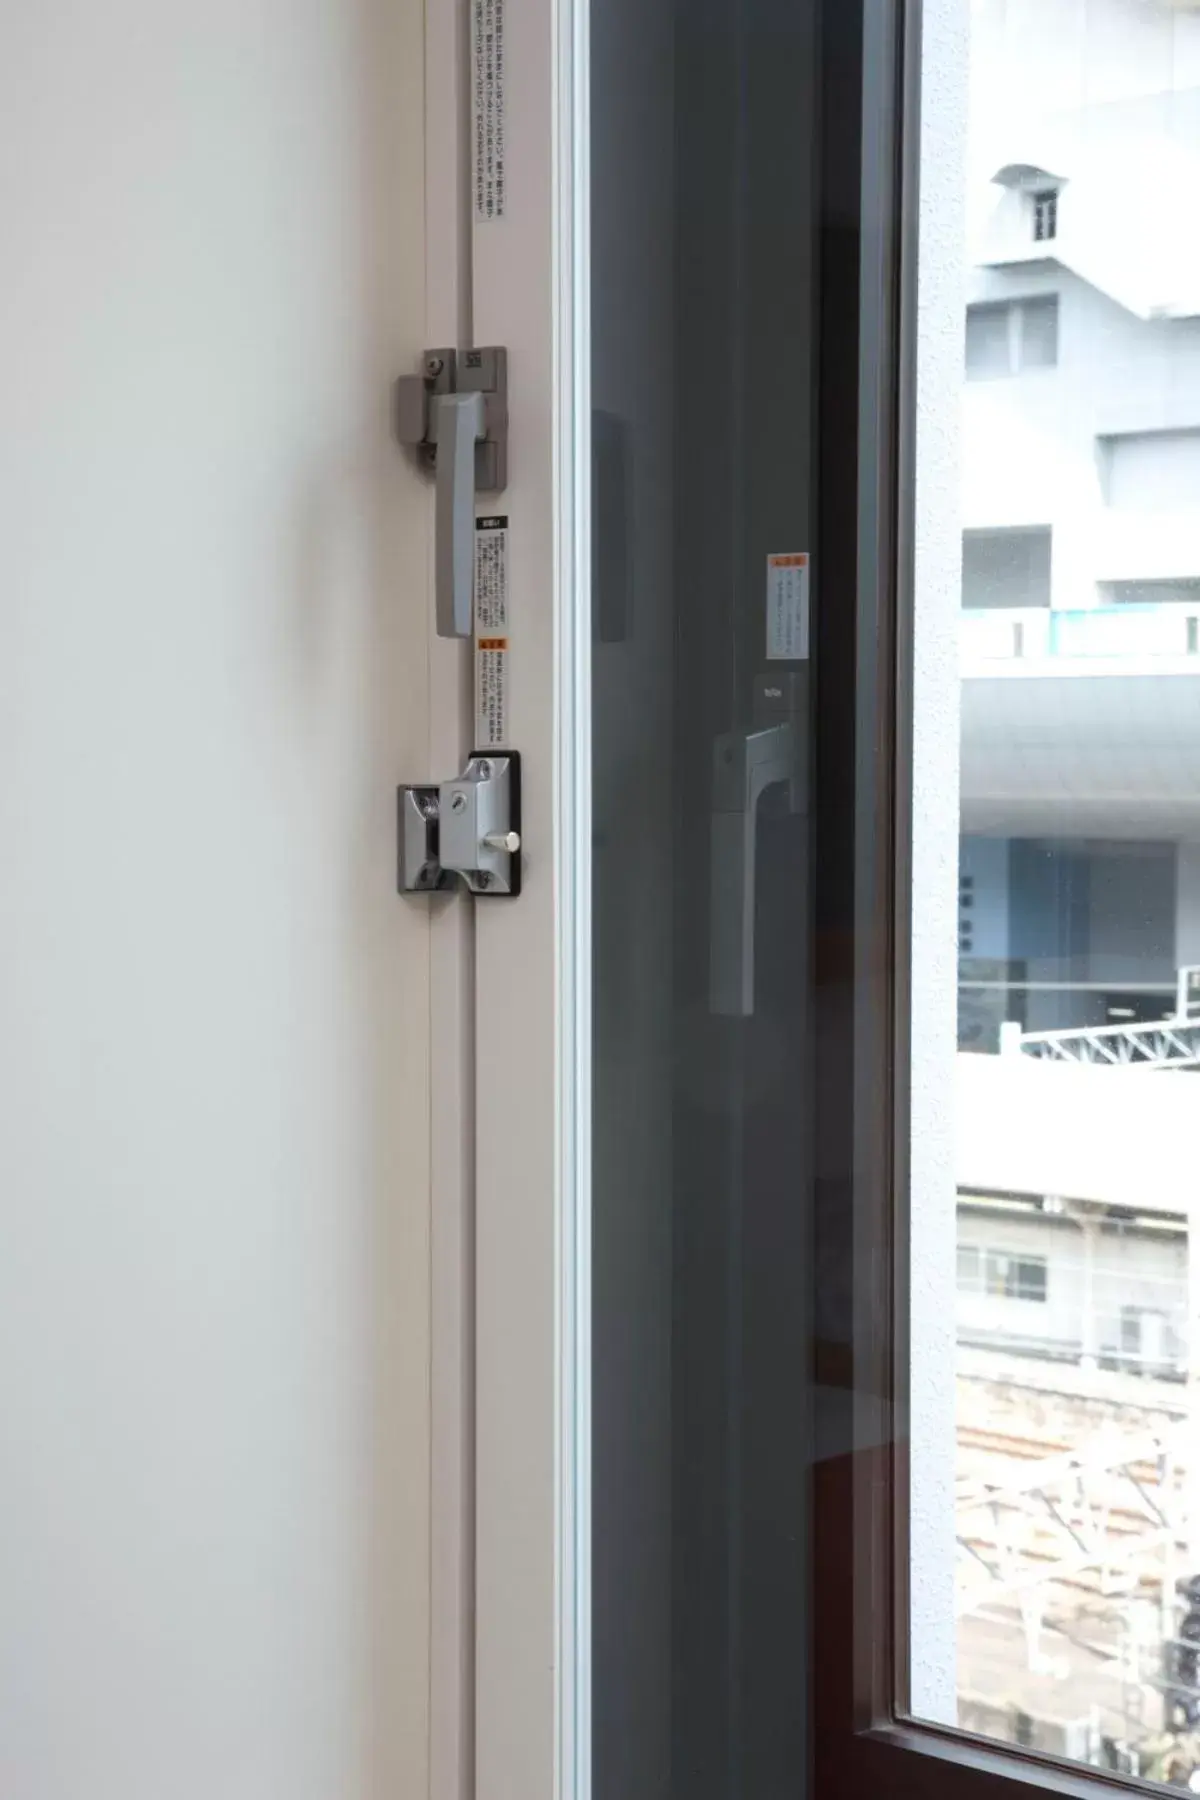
455	416
745	765
456	425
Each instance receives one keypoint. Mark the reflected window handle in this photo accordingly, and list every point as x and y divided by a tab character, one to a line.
745	764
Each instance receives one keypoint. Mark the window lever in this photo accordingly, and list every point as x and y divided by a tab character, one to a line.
745	765
455	415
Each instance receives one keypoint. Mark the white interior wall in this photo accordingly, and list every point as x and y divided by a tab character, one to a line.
213	1080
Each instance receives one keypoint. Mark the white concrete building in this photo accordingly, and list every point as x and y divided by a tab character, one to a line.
1077	1187
1080	869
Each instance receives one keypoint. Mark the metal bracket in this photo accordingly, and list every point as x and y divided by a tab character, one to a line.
469	827
455	415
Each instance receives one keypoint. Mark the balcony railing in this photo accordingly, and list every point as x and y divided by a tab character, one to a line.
1104	634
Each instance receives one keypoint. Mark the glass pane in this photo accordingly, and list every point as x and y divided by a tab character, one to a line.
1039	332
1055	1447
703	209
988	341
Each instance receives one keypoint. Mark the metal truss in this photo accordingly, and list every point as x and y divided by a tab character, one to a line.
1045	1536
1109	1517
1172	1043
1165	1044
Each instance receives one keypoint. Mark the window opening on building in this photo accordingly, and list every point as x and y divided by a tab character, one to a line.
1008	337
1045	215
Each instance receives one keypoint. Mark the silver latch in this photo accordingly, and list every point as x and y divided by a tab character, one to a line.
469	827
455	415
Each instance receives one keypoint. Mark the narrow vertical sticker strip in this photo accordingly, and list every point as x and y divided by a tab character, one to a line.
487	107
787	607
491	633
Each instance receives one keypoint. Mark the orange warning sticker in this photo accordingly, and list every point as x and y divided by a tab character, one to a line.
787	606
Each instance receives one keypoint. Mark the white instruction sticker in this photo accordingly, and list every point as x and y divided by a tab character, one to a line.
487	107
787	607
491	575
491	633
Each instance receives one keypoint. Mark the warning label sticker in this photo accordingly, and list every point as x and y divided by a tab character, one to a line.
487	107
787	606
491	693
491	633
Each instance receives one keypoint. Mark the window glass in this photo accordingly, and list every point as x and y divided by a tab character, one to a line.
1153	471
1054	1589
1039	332
1045	215
988	352
1006	568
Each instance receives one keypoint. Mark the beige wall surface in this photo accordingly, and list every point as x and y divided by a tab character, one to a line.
213	1008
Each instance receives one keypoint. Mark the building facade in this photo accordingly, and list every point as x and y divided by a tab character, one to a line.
1080	647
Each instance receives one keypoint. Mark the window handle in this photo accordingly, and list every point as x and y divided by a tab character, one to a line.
745	765
455	416
456	425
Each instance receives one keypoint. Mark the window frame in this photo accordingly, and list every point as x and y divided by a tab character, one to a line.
863	1743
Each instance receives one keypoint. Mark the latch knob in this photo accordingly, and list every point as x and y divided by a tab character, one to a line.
508	841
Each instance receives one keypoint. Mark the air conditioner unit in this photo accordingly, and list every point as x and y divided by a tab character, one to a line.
1145	1339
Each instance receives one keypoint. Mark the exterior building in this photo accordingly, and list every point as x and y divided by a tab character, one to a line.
1080	646
1073	1220
1111	1293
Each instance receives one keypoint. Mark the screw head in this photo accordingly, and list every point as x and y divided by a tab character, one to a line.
483	769
458	803
483	879
434	365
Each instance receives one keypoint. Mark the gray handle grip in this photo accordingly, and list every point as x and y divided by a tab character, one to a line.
745	765
732	887
458	424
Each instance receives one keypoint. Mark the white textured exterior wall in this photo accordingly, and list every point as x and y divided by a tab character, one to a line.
938	574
